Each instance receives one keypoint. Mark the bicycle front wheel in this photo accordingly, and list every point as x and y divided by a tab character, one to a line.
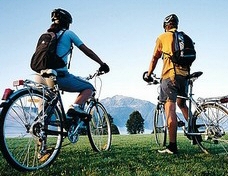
160	127
99	128
27	143
211	121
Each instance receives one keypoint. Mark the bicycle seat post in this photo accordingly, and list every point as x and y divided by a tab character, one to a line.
190	94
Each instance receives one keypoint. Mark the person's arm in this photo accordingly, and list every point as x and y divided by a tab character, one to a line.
103	66
152	66
88	52
156	55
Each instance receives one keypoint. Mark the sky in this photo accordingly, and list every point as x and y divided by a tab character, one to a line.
123	34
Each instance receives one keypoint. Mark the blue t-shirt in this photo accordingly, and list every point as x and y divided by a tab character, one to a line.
65	43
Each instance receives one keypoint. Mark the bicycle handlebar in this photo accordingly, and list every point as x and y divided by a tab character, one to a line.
97	73
155	80
151	79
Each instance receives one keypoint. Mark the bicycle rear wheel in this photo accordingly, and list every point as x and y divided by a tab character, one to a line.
160	127
27	143
99	128
211	120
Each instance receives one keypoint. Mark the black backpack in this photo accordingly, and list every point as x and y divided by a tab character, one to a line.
184	52
45	56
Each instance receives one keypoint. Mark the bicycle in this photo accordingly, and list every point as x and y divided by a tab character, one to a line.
207	126
33	123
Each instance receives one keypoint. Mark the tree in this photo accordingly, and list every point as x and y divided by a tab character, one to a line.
114	128
135	123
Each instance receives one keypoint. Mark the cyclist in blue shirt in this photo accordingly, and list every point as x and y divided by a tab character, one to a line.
66	81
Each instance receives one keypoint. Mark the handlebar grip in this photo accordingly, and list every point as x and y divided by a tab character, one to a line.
100	73
150	79
146	78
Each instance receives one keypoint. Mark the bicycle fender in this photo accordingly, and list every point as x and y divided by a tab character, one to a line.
11	97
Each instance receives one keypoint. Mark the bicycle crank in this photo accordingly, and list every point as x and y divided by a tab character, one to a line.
74	132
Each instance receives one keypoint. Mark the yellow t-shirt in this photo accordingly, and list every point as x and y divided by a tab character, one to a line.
164	45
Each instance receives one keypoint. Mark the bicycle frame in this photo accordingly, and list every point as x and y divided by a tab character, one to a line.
54	93
189	98
34	125
207	126
191	102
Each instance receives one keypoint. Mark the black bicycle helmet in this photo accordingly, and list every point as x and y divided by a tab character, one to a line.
61	16
171	20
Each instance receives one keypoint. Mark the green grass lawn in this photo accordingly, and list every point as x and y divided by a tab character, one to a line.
130	155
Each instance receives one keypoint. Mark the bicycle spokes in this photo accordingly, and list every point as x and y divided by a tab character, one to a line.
212	123
99	130
25	137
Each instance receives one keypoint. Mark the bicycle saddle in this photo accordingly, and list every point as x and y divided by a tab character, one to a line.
195	75
48	72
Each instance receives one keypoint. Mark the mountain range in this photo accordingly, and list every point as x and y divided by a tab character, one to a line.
120	107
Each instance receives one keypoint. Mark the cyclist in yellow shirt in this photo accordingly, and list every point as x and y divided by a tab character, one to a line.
173	80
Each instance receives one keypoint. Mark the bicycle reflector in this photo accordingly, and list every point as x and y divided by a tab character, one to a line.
18	83
224	99
7	93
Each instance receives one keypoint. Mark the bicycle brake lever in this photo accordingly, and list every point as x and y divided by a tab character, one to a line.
100	73
155	82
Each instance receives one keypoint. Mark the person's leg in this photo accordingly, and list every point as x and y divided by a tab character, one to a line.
71	83
183	91
83	96
170	111
76	108
183	107
168	95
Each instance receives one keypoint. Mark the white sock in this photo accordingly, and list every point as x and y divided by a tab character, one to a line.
77	105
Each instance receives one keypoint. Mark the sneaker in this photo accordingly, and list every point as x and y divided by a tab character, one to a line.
70	121
167	150
76	110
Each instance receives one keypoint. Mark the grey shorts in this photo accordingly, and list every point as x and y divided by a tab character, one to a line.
170	89
70	83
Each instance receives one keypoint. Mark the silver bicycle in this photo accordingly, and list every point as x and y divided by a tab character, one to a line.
33	123
207	126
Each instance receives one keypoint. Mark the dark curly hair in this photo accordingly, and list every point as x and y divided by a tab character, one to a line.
56	27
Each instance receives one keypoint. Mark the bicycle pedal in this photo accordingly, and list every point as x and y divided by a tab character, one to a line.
180	124
44	156
71	121
73	133
86	118
72	113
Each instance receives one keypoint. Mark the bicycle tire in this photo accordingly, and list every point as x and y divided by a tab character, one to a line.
160	127
19	142
99	128
211	119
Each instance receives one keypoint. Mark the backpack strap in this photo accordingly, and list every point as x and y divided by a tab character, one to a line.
173	32
61	35
69	51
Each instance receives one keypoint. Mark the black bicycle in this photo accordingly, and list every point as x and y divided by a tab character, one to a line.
207	126
33	123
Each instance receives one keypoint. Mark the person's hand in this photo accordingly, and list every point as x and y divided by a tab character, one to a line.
104	67
146	77
149	78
